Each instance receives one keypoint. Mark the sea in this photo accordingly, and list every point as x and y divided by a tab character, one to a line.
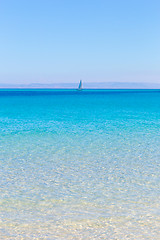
79	164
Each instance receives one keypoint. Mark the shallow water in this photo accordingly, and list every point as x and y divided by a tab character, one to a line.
79	165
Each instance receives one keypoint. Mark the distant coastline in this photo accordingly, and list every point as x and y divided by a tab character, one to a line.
91	85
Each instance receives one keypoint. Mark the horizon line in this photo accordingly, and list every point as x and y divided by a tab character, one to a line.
86	85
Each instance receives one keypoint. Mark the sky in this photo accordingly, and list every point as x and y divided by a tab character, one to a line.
59	41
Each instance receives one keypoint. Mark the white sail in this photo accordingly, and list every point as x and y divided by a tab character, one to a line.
80	85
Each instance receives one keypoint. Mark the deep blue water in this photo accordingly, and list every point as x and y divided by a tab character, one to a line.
80	165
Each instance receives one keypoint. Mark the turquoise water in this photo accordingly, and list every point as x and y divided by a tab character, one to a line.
79	165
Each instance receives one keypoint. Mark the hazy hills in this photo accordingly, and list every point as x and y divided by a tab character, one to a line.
94	85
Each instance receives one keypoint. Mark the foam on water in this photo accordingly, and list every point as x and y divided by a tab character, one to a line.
79	165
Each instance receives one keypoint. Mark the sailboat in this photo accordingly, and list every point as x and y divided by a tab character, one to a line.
80	86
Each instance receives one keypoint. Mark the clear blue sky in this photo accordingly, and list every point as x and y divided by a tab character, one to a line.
64	40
